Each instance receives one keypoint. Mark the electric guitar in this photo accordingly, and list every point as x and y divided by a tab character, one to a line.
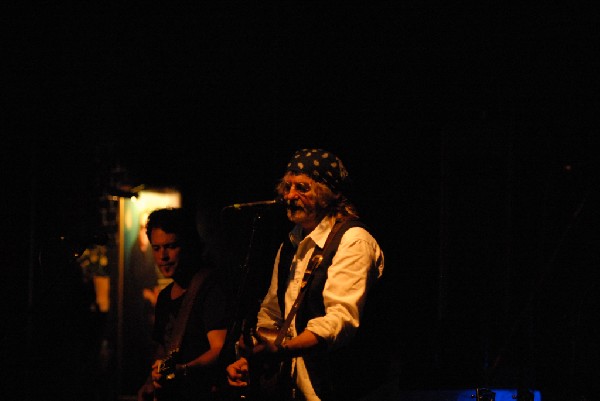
274	373
269	375
167	367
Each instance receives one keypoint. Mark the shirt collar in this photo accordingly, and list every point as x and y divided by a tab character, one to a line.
318	235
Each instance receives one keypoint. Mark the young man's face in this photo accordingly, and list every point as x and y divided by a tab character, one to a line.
166	250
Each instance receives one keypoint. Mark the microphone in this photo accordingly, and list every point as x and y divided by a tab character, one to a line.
265	203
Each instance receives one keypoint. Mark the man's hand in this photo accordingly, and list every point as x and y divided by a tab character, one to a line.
266	341
237	373
155	375
146	392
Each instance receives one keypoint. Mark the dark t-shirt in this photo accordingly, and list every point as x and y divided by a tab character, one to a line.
209	312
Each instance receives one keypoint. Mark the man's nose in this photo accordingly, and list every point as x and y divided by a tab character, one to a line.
292	193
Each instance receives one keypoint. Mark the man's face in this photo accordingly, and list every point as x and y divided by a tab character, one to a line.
301	198
166	250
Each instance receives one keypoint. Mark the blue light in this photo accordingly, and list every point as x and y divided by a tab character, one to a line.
501	394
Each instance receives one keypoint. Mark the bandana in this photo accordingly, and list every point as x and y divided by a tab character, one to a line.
321	166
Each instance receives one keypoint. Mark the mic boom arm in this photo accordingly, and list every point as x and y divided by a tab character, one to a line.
239	206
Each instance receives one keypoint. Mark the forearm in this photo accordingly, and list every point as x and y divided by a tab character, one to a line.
216	339
208	358
302	343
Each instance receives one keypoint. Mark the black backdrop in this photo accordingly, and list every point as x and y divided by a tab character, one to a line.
469	130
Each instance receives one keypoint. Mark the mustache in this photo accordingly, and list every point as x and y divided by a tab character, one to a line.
294	204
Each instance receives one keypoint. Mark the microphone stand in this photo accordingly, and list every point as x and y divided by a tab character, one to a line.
243	315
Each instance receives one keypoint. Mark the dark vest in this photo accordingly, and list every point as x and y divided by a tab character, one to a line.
317	360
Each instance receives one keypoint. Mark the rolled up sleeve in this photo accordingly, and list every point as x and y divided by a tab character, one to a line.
357	264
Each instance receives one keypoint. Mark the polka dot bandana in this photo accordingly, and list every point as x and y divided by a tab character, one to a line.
321	166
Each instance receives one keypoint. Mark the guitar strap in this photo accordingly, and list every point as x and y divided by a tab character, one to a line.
186	308
315	261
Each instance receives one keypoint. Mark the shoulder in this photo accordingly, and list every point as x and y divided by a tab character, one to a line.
359	237
356	230
213	288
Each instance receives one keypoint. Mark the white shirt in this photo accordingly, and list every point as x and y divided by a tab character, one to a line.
357	264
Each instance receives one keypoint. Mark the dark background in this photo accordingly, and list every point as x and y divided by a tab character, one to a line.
469	130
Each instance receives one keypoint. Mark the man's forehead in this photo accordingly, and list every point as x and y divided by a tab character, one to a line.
297	178
159	236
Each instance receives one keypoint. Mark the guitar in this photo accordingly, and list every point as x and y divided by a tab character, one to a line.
269	374
167	367
274	374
